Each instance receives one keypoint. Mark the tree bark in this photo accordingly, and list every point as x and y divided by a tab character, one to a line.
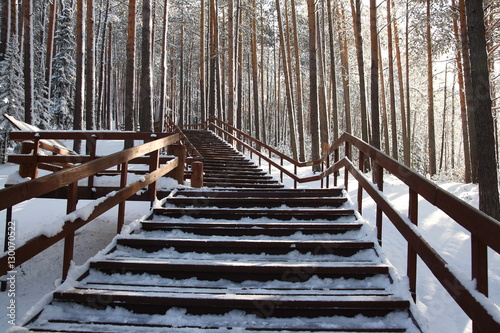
344	59
29	98
255	72
322	107
90	70
430	95
146	88
286	73
313	83
374	82
78	111
130	73
392	98
230	77
50	43
487	172
356	12
4	37
333	71
469	92
405	137
203	112
463	107
298	81
383	103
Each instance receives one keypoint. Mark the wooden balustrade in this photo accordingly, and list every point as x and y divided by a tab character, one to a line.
485	231
69	177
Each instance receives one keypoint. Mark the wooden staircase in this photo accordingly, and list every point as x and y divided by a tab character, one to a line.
226	167
236	260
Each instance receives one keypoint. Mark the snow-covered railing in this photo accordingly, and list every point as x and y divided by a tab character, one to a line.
65	228
471	294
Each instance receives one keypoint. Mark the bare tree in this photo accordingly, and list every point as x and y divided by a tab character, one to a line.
129	72
313	83
146	86
430	95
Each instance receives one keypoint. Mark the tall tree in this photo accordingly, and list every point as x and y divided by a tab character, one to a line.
374	83
405	137
430	95
392	97
11	82
230	77
146	85
288	84
4	29
255	71
90	70
78	111
356	12
333	76
163	86
463	107
487	171
202	61
50	43
469	92
344	60
29	91
130	72
313	83
298	85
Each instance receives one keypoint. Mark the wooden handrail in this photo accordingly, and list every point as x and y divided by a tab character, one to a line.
485	231
34	188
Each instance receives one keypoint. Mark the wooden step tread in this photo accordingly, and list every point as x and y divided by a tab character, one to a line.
249	193
278	214
256	202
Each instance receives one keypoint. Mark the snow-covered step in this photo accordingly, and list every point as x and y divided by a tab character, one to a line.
255	213
58	317
249	246
240	270
254	193
199	302
255	202
208	227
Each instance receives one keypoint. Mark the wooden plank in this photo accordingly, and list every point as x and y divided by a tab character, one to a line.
40	243
37	187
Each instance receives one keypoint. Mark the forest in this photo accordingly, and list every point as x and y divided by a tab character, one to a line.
294	73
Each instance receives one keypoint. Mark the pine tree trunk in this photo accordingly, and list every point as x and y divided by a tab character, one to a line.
50	43
109	77
90	70
344	59
230	78
298	85
181	79
407	63
255	72
286	73
385	123
146	86
469	93
405	138
313	83
392	98
487	171
430	95
333	71
29	98
322	108
463	108
78	111
356	12
374	82
212	98
239	64
203	108
130	73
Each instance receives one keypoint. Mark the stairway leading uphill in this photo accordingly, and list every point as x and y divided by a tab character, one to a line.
237	260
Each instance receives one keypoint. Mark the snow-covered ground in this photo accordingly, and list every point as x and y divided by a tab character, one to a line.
39	276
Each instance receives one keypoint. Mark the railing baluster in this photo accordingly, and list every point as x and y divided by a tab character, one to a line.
69	241
121	205
380	185
360	188
412	256
336	173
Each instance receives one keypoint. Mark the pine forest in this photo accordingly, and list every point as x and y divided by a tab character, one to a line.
293	73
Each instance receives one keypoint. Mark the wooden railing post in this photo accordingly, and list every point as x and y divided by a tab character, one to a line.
121	205
179	151
93	143
69	241
346	174
29	169
153	165
360	188
336	173
412	255
197	174
380	185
